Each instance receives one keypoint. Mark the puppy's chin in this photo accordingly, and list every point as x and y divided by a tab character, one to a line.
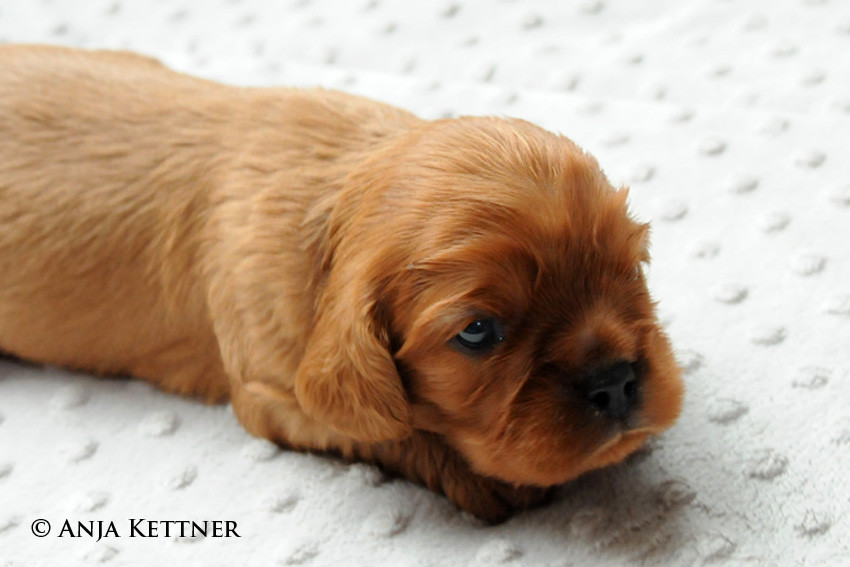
554	468
621	446
547	458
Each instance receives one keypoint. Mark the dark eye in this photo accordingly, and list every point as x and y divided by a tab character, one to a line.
480	335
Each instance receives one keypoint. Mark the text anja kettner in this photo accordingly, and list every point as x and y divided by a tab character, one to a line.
140	527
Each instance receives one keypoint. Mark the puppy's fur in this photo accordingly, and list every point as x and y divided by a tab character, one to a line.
313	256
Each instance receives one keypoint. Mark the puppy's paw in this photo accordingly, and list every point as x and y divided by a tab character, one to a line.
491	500
426	458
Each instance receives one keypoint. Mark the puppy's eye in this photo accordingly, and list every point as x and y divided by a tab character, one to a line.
480	335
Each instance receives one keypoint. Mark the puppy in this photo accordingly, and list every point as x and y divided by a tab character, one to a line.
461	301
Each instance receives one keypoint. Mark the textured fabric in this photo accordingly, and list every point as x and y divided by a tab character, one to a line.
731	123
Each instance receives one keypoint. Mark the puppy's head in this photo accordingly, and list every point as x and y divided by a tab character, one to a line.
486	284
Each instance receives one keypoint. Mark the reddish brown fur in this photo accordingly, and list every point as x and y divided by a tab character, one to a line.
310	255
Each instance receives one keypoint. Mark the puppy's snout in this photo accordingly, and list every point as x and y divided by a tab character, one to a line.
614	390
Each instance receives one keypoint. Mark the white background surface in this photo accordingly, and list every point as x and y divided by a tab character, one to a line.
731	123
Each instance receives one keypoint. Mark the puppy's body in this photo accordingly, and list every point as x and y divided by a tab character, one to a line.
311	255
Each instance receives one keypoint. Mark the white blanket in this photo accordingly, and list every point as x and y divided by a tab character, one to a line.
731	123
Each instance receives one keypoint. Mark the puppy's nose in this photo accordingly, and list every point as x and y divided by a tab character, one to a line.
614	390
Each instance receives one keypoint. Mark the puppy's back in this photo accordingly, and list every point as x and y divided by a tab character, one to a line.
47	65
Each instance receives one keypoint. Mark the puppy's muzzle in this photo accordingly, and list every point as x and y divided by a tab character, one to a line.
613	391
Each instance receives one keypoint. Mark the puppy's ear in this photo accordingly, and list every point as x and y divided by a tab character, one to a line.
347	378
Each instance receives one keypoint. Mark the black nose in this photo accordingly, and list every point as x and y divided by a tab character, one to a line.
613	390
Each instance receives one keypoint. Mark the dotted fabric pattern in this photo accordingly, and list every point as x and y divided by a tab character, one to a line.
731	123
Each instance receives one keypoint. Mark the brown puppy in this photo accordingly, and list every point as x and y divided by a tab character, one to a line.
460	301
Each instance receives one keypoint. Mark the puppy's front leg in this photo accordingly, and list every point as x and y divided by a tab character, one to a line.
422	457
426	459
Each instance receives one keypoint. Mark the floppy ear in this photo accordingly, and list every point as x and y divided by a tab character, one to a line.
347	378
